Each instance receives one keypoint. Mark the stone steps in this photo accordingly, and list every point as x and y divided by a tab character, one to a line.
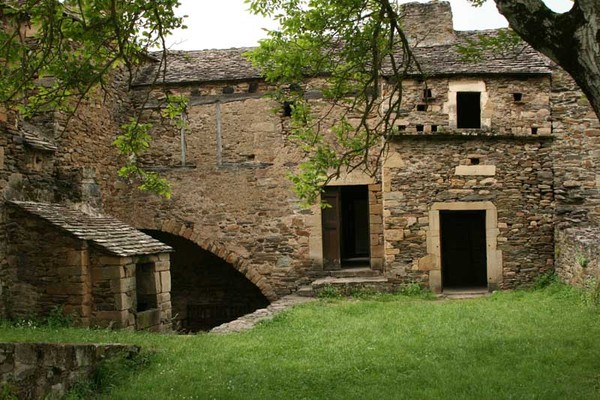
345	281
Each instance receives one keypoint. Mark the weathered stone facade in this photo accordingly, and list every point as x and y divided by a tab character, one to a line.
578	257
56	260
47	370
524	160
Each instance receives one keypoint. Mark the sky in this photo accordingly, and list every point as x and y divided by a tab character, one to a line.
221	24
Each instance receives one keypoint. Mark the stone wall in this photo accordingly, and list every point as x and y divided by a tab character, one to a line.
501	114
46	268
43	269
578	256
514	175
46	370
575	154
232	197
115	286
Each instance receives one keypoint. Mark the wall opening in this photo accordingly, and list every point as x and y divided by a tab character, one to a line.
206	290
346	239
145	287
463	249
468	110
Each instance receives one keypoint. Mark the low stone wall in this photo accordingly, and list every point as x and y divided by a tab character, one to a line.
578	256
48	370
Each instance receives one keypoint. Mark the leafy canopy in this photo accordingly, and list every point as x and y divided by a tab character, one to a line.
54	53
344	44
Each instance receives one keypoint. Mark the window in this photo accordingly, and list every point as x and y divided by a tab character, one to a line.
145	287
518	97
468	110
287	108
421	107
427	94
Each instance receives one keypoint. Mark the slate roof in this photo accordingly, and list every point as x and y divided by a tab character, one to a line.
34	138
103	231
229	64
203	66
446	60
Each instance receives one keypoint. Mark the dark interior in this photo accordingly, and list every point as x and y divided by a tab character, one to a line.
206	291
355	225
463	246
468	110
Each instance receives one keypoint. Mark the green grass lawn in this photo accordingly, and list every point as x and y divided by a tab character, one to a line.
515	345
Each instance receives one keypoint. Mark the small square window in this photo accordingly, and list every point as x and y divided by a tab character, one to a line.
434	128
253	87
420	128
427	94
421	107
474	160
228	90
534	131
287	108
517	97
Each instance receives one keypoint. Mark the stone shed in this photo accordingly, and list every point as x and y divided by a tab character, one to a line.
95	267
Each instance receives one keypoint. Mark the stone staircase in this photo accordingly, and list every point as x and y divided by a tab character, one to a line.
345	281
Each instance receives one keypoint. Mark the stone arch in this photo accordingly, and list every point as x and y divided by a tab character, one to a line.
241	264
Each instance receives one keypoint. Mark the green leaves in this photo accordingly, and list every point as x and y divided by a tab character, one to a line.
343	45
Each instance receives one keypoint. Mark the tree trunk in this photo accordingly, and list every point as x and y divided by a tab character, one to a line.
572	39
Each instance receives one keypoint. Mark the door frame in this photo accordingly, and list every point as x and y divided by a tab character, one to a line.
434	256
314	223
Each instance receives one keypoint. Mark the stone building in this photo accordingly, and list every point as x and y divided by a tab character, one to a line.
490	163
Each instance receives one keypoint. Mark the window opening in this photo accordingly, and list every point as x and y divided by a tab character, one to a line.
145	287
534	131
474	160
427	94
253	87
228	90
468	110
518	97
434	128
421	107
420	128
287	108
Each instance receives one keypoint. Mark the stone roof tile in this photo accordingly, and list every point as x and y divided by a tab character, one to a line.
446	60
202	66
104	231
230	64
34	138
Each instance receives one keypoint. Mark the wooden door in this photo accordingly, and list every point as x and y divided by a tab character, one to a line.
463	241
331	222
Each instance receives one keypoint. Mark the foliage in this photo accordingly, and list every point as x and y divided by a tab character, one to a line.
108	374
329	292
345	44
7	392
582	260
544	280
54	53
58	319
544	343
505	41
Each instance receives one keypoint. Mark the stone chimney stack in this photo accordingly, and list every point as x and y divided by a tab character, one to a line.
427	24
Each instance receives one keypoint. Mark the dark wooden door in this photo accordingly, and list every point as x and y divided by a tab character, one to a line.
330	219
464	260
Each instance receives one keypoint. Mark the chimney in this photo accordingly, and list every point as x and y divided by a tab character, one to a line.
427	24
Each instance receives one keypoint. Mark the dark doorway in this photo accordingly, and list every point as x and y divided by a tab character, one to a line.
468	110
463	247
346	240
206	290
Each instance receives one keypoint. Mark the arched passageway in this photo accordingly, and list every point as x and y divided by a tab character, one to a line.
206	290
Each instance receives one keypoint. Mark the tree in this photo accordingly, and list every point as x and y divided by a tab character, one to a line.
54	52
572	39
348	42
